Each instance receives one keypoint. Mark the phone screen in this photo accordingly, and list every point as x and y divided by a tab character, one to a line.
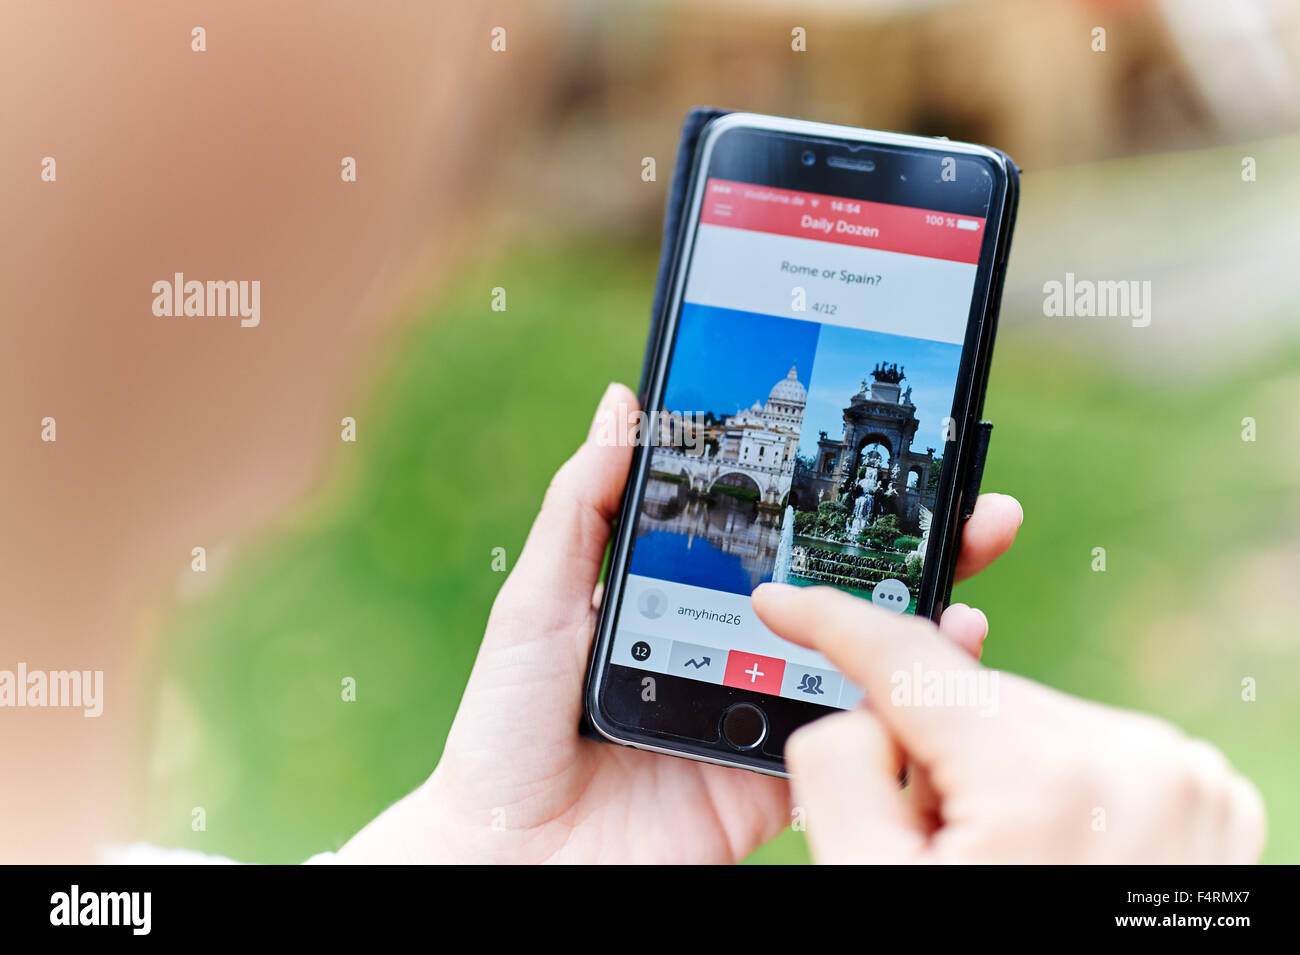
806	407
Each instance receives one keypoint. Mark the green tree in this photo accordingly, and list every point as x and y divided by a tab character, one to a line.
882	533
831	516
911	574
936	468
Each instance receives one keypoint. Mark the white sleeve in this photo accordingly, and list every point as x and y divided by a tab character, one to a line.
142	853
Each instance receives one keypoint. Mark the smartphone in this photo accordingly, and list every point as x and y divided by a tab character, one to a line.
815	383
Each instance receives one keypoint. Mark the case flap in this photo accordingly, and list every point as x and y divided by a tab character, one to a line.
674	208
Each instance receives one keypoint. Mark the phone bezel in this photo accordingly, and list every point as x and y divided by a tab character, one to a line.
972	375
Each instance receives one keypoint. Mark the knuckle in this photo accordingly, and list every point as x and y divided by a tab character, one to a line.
1250	820
561	487
1203	775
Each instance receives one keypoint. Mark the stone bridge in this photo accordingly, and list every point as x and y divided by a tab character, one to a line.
703	473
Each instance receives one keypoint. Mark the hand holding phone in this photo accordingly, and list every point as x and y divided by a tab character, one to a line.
516	783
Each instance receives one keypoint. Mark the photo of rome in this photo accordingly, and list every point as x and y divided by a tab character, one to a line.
714	503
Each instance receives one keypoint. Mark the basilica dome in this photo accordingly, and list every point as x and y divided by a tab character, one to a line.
786	403
788	390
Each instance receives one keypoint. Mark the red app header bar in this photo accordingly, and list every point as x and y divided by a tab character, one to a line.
871	225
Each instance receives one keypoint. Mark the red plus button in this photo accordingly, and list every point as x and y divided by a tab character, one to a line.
749	671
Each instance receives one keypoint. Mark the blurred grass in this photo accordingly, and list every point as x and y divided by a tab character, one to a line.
387	576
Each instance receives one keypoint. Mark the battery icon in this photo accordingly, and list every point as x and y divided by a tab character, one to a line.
970	225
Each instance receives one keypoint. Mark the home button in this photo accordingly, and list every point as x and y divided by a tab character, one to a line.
744	726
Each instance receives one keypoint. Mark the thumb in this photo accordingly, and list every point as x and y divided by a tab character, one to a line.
555	576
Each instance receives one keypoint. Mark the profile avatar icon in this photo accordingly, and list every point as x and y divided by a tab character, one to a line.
652	604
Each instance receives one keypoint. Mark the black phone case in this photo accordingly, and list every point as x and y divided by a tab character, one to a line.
674	210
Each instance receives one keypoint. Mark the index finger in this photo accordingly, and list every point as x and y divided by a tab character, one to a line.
918	683
989	533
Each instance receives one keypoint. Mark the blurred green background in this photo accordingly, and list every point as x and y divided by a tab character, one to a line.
1111	436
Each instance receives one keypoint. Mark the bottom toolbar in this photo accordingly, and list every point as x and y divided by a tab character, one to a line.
734	668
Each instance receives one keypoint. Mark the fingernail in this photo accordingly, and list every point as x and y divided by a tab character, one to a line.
775	590
1019	507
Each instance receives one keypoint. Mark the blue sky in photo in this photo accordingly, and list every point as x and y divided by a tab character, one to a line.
725	360
845	356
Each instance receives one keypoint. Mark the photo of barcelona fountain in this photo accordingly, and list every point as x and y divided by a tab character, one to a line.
859	512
